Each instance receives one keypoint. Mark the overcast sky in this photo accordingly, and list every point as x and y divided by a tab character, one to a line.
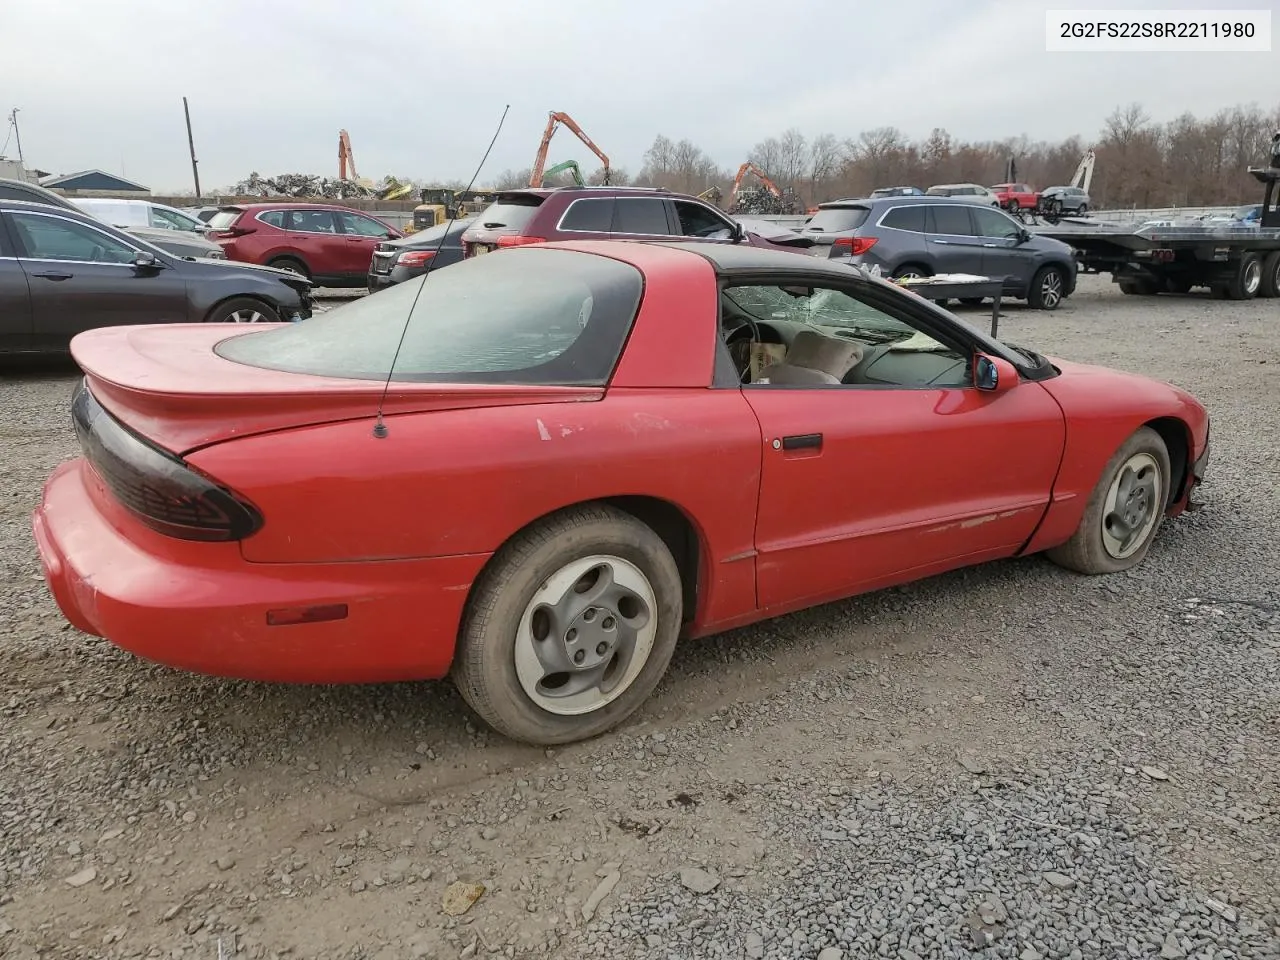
420	84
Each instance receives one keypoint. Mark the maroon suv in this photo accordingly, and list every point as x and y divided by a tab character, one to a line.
327	244
538	215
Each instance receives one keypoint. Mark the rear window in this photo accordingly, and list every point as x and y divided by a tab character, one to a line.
224	218
525	316
838	219
512	213
939	191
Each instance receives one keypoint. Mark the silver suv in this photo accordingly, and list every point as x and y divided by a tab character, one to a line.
923	236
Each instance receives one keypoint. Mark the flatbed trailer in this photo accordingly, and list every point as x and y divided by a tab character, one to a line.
1235	262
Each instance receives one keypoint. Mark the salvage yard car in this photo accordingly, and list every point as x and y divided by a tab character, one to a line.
63	272
331	245
908	237
587	451
518	218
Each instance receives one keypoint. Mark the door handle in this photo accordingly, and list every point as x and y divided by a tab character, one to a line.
802	441
53	275
945	243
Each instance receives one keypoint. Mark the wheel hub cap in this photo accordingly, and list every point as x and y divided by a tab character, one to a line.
585	635
1132	506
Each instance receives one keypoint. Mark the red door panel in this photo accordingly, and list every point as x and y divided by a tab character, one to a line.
876	483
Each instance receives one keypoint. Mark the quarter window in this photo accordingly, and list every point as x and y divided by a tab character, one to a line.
273	218
593	215
640	215
48	238
905	218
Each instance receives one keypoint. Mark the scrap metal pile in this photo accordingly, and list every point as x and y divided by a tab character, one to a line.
762	202
309	185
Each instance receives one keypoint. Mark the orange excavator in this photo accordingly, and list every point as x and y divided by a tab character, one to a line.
553	123
743	170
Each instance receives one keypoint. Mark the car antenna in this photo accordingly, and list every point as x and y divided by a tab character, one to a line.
379	426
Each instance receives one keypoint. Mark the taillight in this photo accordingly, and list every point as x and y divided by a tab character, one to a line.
415	258
856	246
158	488
519	241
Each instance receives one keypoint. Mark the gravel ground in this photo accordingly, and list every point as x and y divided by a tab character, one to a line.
1010	761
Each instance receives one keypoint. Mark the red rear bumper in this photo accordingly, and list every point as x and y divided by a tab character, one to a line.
202	607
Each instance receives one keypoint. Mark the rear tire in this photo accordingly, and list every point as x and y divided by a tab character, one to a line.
242	310
911	270
1123	515
1246	282
292	264
1047	288
1138	287
502	666
1270	276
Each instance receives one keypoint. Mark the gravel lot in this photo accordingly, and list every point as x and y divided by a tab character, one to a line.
1011	761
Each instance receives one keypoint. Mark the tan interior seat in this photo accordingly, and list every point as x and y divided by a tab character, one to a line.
814	358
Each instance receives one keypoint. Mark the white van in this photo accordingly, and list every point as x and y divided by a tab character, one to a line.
139	213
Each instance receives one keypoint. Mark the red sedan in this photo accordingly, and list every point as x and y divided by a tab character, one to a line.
587	451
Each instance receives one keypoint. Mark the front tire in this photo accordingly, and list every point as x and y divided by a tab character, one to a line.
1124	511
570	628
1047	288
242	310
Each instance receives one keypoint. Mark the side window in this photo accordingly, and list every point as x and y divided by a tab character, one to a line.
905	218
952	221
170	221
312	221
828	336
699	221
273	218
995	225
361	226
592	215
640	215
47	238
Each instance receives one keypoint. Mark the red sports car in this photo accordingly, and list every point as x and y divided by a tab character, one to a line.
586	451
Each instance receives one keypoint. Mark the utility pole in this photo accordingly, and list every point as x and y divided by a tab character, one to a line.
191	145
13	118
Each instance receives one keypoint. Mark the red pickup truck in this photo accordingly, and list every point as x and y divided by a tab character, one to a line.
1015	196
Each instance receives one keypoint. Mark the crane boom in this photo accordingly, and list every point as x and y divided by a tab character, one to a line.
346	160
554	120
1084	172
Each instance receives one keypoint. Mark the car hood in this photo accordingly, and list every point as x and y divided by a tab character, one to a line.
174	241
775	233
255	270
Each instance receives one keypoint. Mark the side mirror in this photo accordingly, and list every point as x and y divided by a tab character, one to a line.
993	375
739	233
1024	236
146	260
